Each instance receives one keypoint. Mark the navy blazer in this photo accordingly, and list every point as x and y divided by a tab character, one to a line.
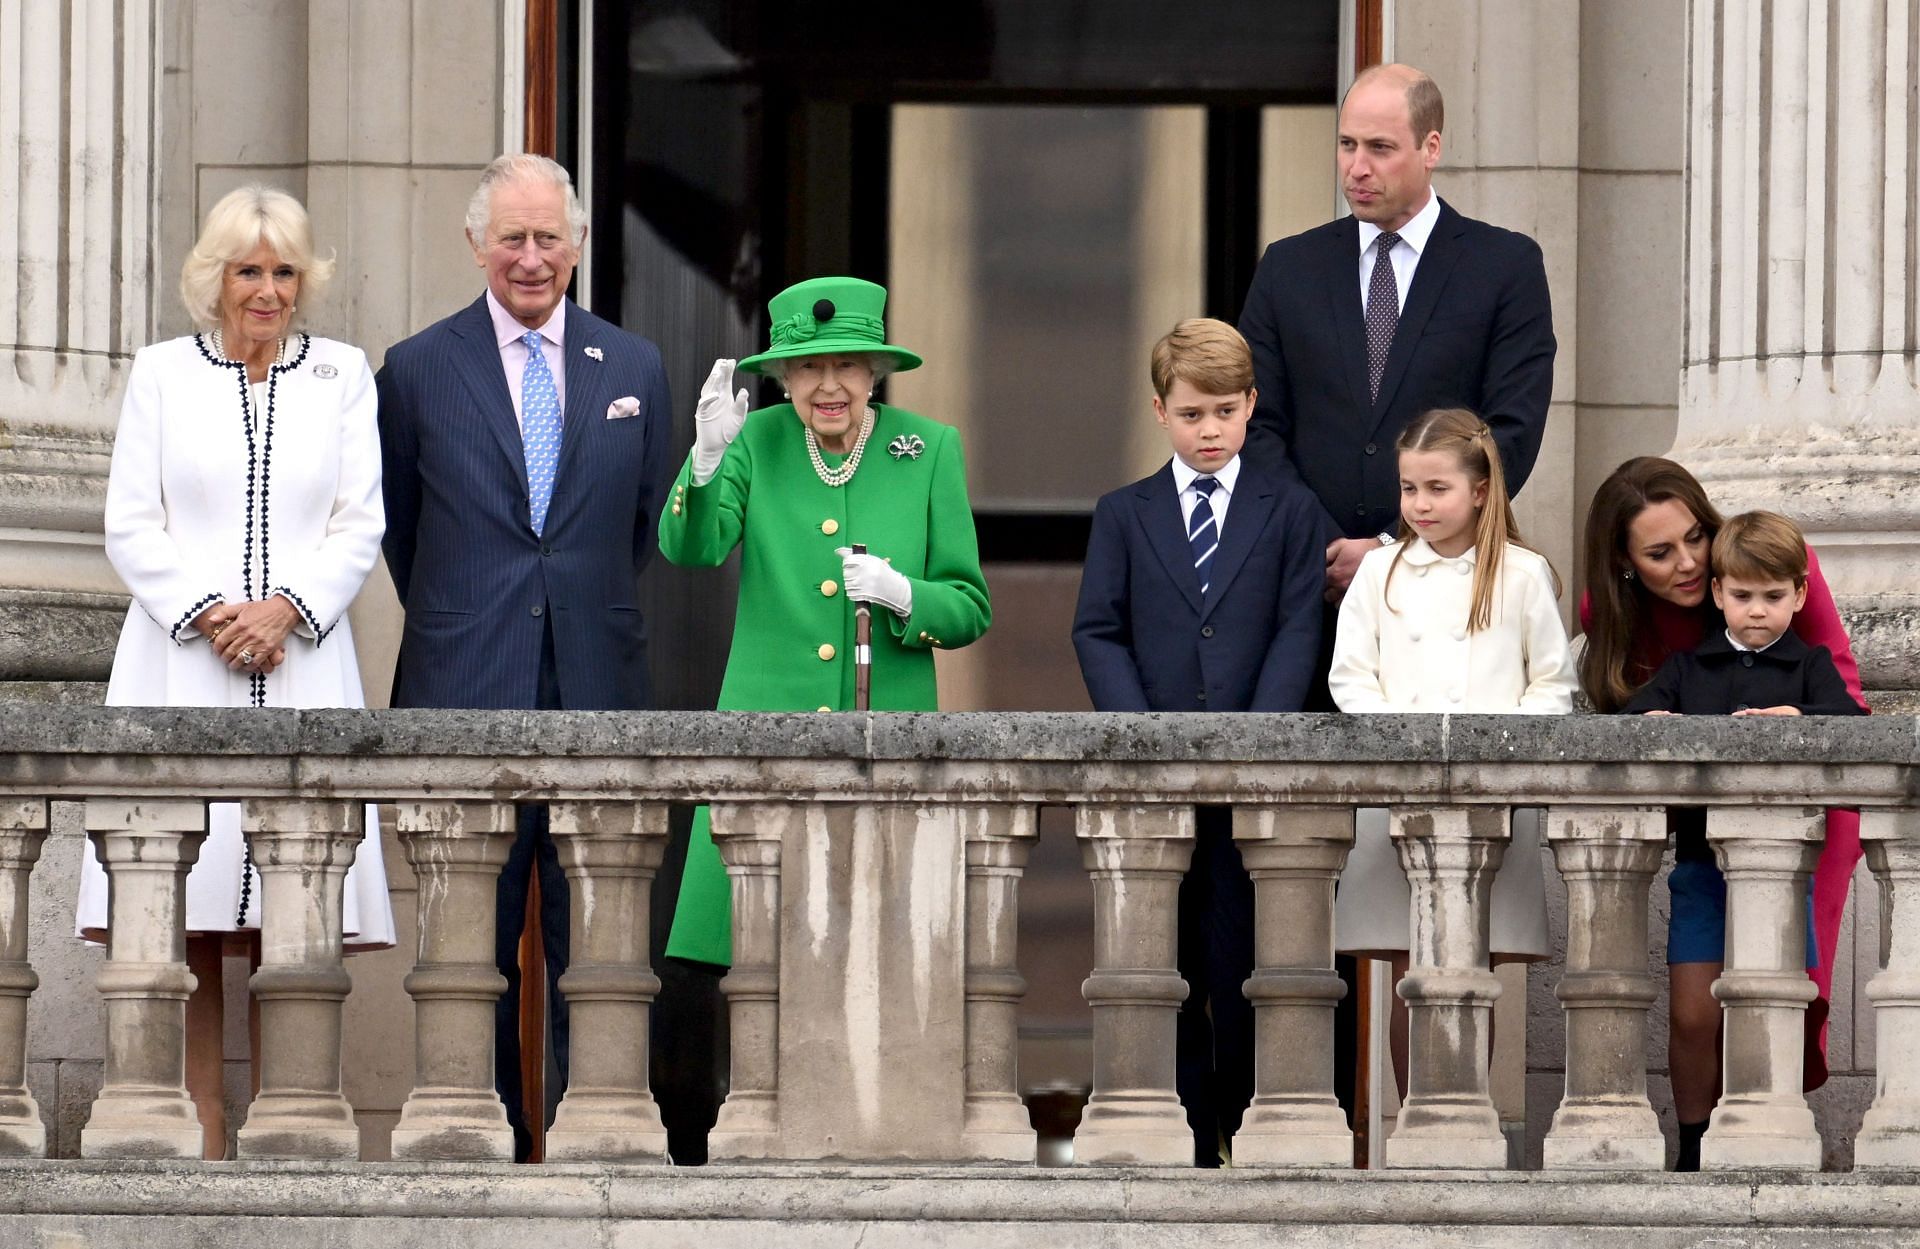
1146	638
1476	332
479	586
1717	678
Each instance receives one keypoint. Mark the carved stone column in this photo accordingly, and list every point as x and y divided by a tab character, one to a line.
1890	1133
147	848
1294	855
1762	1120
1450	855
748	836
302	849
23	826
610	851
1798	391
454	1113
1136	856
997	839
1608	857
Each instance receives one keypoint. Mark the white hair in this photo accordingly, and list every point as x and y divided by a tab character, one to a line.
523	167
878	362
241	221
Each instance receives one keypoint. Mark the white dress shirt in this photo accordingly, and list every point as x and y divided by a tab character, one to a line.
1405	254
513	353
1222	497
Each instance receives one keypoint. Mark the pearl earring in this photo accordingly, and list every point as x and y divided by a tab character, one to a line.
1627	575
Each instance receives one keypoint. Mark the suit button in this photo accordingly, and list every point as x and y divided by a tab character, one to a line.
545	549
829	526
1206	631
829	587
826	650
1202	696
1372	447
1361	510
539	611
826	708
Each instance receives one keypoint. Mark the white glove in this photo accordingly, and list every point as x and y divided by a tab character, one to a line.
716	422
870	579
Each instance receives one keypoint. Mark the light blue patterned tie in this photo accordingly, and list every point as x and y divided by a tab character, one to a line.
539	429
1203	531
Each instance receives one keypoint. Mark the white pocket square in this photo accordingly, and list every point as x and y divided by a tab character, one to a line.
622	408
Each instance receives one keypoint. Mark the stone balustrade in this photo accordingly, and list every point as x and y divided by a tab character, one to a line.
876	864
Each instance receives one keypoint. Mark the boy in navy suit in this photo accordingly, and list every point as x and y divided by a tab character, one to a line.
1201	592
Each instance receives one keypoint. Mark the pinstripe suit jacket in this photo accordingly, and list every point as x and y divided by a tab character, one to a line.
479	586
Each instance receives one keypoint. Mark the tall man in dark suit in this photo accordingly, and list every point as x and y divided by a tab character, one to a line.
524	445
1347	350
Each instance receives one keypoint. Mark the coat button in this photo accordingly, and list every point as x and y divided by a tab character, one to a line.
1361	510
924	637
1454	695
1420	570
1372	447
1206	631
1463	568
829	526
1413	635
1459	634
826	650
1746	661
1202	696
826	708
829	587
539	611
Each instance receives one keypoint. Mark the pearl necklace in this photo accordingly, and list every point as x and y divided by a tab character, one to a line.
218	341
839	476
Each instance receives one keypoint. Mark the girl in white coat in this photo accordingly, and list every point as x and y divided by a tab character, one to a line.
1457	616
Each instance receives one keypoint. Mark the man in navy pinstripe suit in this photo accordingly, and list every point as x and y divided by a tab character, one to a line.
524	445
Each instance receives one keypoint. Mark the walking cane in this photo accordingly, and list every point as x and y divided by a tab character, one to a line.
862	647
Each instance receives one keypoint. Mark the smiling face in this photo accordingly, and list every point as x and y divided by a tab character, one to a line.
1757	610
830	394
257	294
1667	546
529	252
1386	172
1439	501
1206	430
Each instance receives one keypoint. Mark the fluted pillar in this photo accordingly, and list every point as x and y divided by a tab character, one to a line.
23	827
1798	391
1136	855
454	1112
147	848
1762	1119
1608	857
1450	855
1294	855
610	851
1889	1136
997	838
748	836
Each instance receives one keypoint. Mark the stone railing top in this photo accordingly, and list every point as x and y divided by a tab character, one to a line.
983	757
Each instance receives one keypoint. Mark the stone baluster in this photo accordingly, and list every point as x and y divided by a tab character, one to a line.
1608	857
1136	855
997	838
302	849
749	835
456	849
1762	1119
23	826
147	848
610	851
1890	1133
1450	855
1294	855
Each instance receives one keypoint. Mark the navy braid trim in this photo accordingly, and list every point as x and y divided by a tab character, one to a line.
299	605
188	616
246	879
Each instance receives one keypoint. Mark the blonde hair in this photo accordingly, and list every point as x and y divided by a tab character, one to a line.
1467	437
1209	355
1761	546
240	222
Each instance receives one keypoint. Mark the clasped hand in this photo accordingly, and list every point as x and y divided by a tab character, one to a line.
258	629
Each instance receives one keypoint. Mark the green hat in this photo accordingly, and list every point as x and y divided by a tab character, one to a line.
825	316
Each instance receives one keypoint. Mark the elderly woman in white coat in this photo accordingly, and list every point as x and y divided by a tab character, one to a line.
243	514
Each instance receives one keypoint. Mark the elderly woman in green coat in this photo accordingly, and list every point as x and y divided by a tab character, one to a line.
796	486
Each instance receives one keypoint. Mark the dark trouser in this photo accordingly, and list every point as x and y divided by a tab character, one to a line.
533	851
1346	1013
1214	1042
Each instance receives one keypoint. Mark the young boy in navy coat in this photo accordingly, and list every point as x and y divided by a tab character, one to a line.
1201	592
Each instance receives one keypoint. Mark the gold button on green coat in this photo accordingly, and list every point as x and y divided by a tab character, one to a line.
768	501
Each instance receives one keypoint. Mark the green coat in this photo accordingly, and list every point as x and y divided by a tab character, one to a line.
793	628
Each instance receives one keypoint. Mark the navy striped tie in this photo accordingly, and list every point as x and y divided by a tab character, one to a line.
1203	532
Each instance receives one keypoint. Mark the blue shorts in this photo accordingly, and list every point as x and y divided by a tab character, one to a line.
1697	925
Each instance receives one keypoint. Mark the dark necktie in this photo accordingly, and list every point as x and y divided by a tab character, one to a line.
1383	311
1203	531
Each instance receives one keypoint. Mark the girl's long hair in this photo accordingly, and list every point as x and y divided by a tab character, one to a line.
1617	605
1467	437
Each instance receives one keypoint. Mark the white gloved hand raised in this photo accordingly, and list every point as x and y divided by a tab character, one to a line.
870	579
717	421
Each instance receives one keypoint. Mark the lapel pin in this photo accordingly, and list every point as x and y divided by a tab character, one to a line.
906	446
325	371
594	353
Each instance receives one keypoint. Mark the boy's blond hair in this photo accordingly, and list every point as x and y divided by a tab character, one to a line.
1761	546
1208	355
